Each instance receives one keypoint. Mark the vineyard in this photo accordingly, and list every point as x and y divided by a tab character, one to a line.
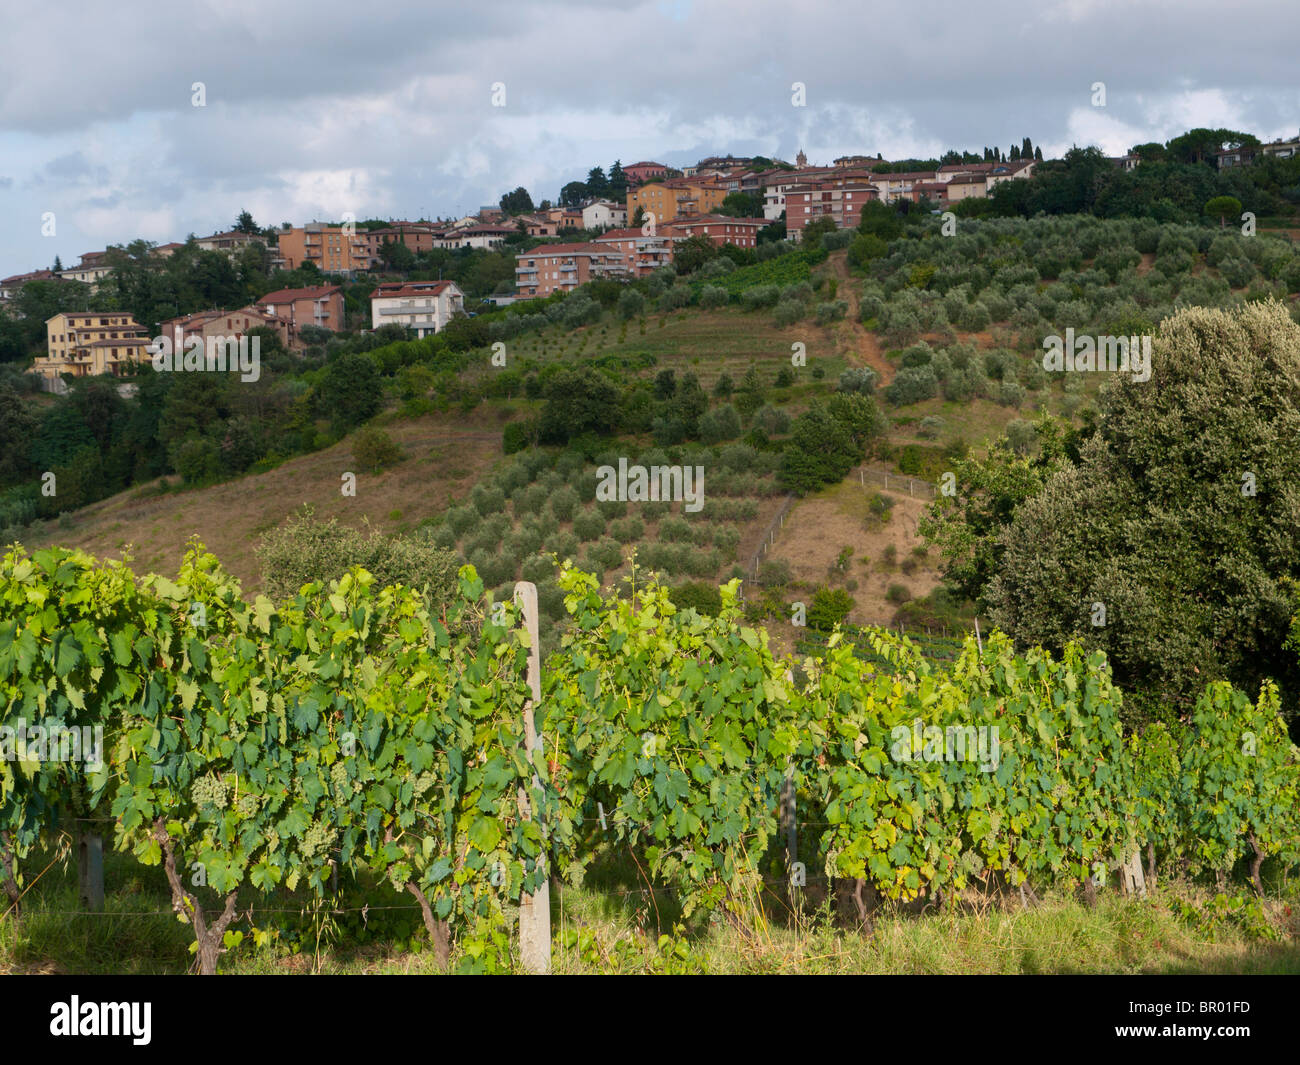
352	733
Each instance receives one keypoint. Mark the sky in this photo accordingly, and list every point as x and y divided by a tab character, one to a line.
311	109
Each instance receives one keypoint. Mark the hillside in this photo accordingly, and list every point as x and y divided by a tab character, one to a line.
445	456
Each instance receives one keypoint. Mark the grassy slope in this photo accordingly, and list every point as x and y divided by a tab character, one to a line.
446	454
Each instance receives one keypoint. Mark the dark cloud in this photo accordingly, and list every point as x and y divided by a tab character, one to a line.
314	107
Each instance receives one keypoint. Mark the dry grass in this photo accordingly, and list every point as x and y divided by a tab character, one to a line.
821	525
444	456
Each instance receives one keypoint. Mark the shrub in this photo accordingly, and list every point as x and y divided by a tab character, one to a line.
564	545
858	379
1237	272
564	501
722	423
485	539
866	247
898	593
930	427
516	436
1011	394
772	420
495	567
702	563
550	600
830	606
714	296
912	385
918	355
589	524
304	550
612	508
487	500
675	297
974	317
528	501
627	530
630	304
788	312
374	449
726	540
1021	436
523	542
607	553
831	311
760	296
462	519
537	568
705	599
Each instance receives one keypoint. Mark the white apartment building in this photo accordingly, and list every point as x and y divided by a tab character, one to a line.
425	306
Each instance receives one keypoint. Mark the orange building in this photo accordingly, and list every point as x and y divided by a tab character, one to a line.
321	306
720	229
220	324
333	249
671	199
563	267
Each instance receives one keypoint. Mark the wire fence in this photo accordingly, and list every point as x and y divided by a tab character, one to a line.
769	536
897	482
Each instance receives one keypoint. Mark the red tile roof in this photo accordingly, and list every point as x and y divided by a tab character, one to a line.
714	219
289	295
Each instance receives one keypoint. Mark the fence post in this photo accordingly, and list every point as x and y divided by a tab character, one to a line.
534	909
90	870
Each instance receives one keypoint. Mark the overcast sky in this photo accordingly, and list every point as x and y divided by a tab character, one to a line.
316	107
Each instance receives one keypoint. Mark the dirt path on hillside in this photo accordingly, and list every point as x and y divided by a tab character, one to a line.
859	346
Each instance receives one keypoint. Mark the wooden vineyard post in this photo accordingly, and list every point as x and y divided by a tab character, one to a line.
1132	880
90	870
790	827
534	909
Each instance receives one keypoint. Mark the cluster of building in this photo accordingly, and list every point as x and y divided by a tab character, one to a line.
662	207
89	343
1247	154
668	209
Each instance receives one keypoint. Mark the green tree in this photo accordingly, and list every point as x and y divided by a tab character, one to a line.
617	184
692	253
17	428
573	194
245	224
827	440
967	526
741	205
1178	519
350	390
517	202
395	255
1223	208
880	220
578	401
815	230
